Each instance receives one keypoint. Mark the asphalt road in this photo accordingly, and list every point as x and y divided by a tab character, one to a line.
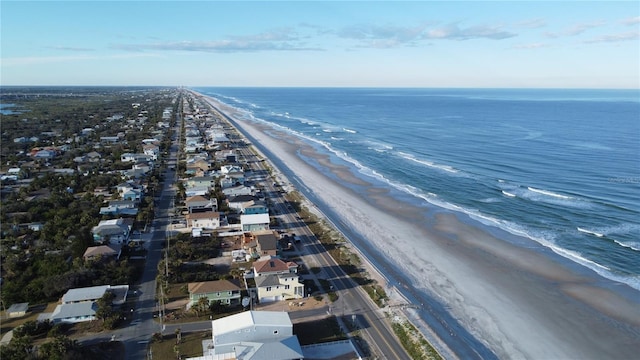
137	335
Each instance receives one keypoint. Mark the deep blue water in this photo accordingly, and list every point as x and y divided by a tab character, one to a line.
561	167
8	109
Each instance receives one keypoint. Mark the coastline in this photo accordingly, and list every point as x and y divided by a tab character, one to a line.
519	302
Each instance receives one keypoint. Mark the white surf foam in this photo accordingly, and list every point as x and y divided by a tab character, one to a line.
590	232
549	193
427	163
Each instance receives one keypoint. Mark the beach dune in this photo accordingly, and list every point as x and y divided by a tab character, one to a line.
510	297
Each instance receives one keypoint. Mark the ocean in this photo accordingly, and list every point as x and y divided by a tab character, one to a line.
557	167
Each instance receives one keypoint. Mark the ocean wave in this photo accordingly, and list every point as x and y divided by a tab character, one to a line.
549	193
631	245
349	130
427	163
590	232
377	146
553	198
508	194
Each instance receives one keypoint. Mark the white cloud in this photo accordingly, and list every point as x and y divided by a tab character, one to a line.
37	60
576	29
453	32
631	21
626	36
69	48
282	39
530	46
532	23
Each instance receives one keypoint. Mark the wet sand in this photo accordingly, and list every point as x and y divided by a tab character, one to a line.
481	290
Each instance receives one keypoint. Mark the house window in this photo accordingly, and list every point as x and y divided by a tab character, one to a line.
268	288
275	332
286	287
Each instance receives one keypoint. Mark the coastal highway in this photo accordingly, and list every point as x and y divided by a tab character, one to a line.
355	305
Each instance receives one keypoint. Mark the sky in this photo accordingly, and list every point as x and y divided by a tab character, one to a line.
480	44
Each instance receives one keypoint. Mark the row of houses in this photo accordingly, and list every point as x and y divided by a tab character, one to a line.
275	280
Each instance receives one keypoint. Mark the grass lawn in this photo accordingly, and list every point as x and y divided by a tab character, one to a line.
190	346
318	331
7	324
112	350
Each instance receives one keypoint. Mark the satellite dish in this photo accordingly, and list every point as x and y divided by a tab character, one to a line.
245	301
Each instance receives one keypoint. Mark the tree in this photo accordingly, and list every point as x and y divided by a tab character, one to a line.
61	348
201	306
20	348
105	309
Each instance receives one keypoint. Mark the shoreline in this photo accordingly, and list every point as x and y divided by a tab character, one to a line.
485	291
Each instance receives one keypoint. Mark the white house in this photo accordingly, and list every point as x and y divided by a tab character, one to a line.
116	231
151	150
254	222
237	190
203	220
253	335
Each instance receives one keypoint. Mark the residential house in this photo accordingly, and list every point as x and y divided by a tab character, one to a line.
115	231
203	220
120	207
152	141
110	139
17	310
253	335
217	137
230	169
227	292
232	179
134	195
152	151
135	158
79	304
226	155
240	202
101	252
200	181
234	191
142	166
255	217
200	203
261	243
277	280
126	186
196	191
273	266
199	163
44	154
93	156
102	191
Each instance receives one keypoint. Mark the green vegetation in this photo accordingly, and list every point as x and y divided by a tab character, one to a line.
318	331
168	347
414	342
47	214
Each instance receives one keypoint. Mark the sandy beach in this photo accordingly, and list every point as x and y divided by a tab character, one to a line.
476	287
